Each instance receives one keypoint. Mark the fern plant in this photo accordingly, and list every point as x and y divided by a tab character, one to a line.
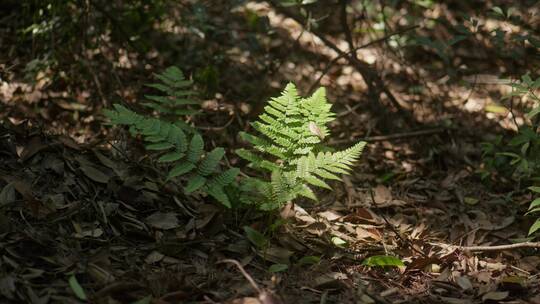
178	146
289	147
176	98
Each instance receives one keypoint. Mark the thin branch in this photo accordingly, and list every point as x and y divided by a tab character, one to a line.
490	248
391	136
244	273
345	25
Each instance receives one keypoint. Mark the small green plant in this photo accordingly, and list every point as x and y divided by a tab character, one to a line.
180	148
176	99
289	148
534	207
519	157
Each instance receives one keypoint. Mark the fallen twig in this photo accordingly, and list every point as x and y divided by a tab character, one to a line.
244	273
265	297
489	248
390	137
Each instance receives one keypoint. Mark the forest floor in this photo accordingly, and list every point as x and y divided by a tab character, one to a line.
78	200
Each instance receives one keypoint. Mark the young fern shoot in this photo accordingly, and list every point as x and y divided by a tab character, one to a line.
289	146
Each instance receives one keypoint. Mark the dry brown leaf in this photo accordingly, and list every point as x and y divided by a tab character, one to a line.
329	215
529	263
302	215
382	195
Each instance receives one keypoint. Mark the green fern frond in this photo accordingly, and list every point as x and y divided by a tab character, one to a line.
215	187
177	99
196	148
211	161
194	183
326	165
224	179
180	169
256	161
182	152
219	195
290	134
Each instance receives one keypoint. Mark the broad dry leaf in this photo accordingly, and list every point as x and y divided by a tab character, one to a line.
329	215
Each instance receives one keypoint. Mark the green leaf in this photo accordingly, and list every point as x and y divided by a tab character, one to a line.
196	147
309	260
77	288
170	157
219	195
226	177
211	161
494	108
533	113
534	227
180	169
278	268
534	189
338	241
382	260
159	146
498	11
533	210
534	204
195	183
255	237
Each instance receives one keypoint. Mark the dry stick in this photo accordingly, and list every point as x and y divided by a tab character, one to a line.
403	135
372	79
264	296
490	248
244	272
345	25
391	136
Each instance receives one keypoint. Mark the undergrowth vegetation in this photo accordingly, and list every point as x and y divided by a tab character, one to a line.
292	157
518	157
